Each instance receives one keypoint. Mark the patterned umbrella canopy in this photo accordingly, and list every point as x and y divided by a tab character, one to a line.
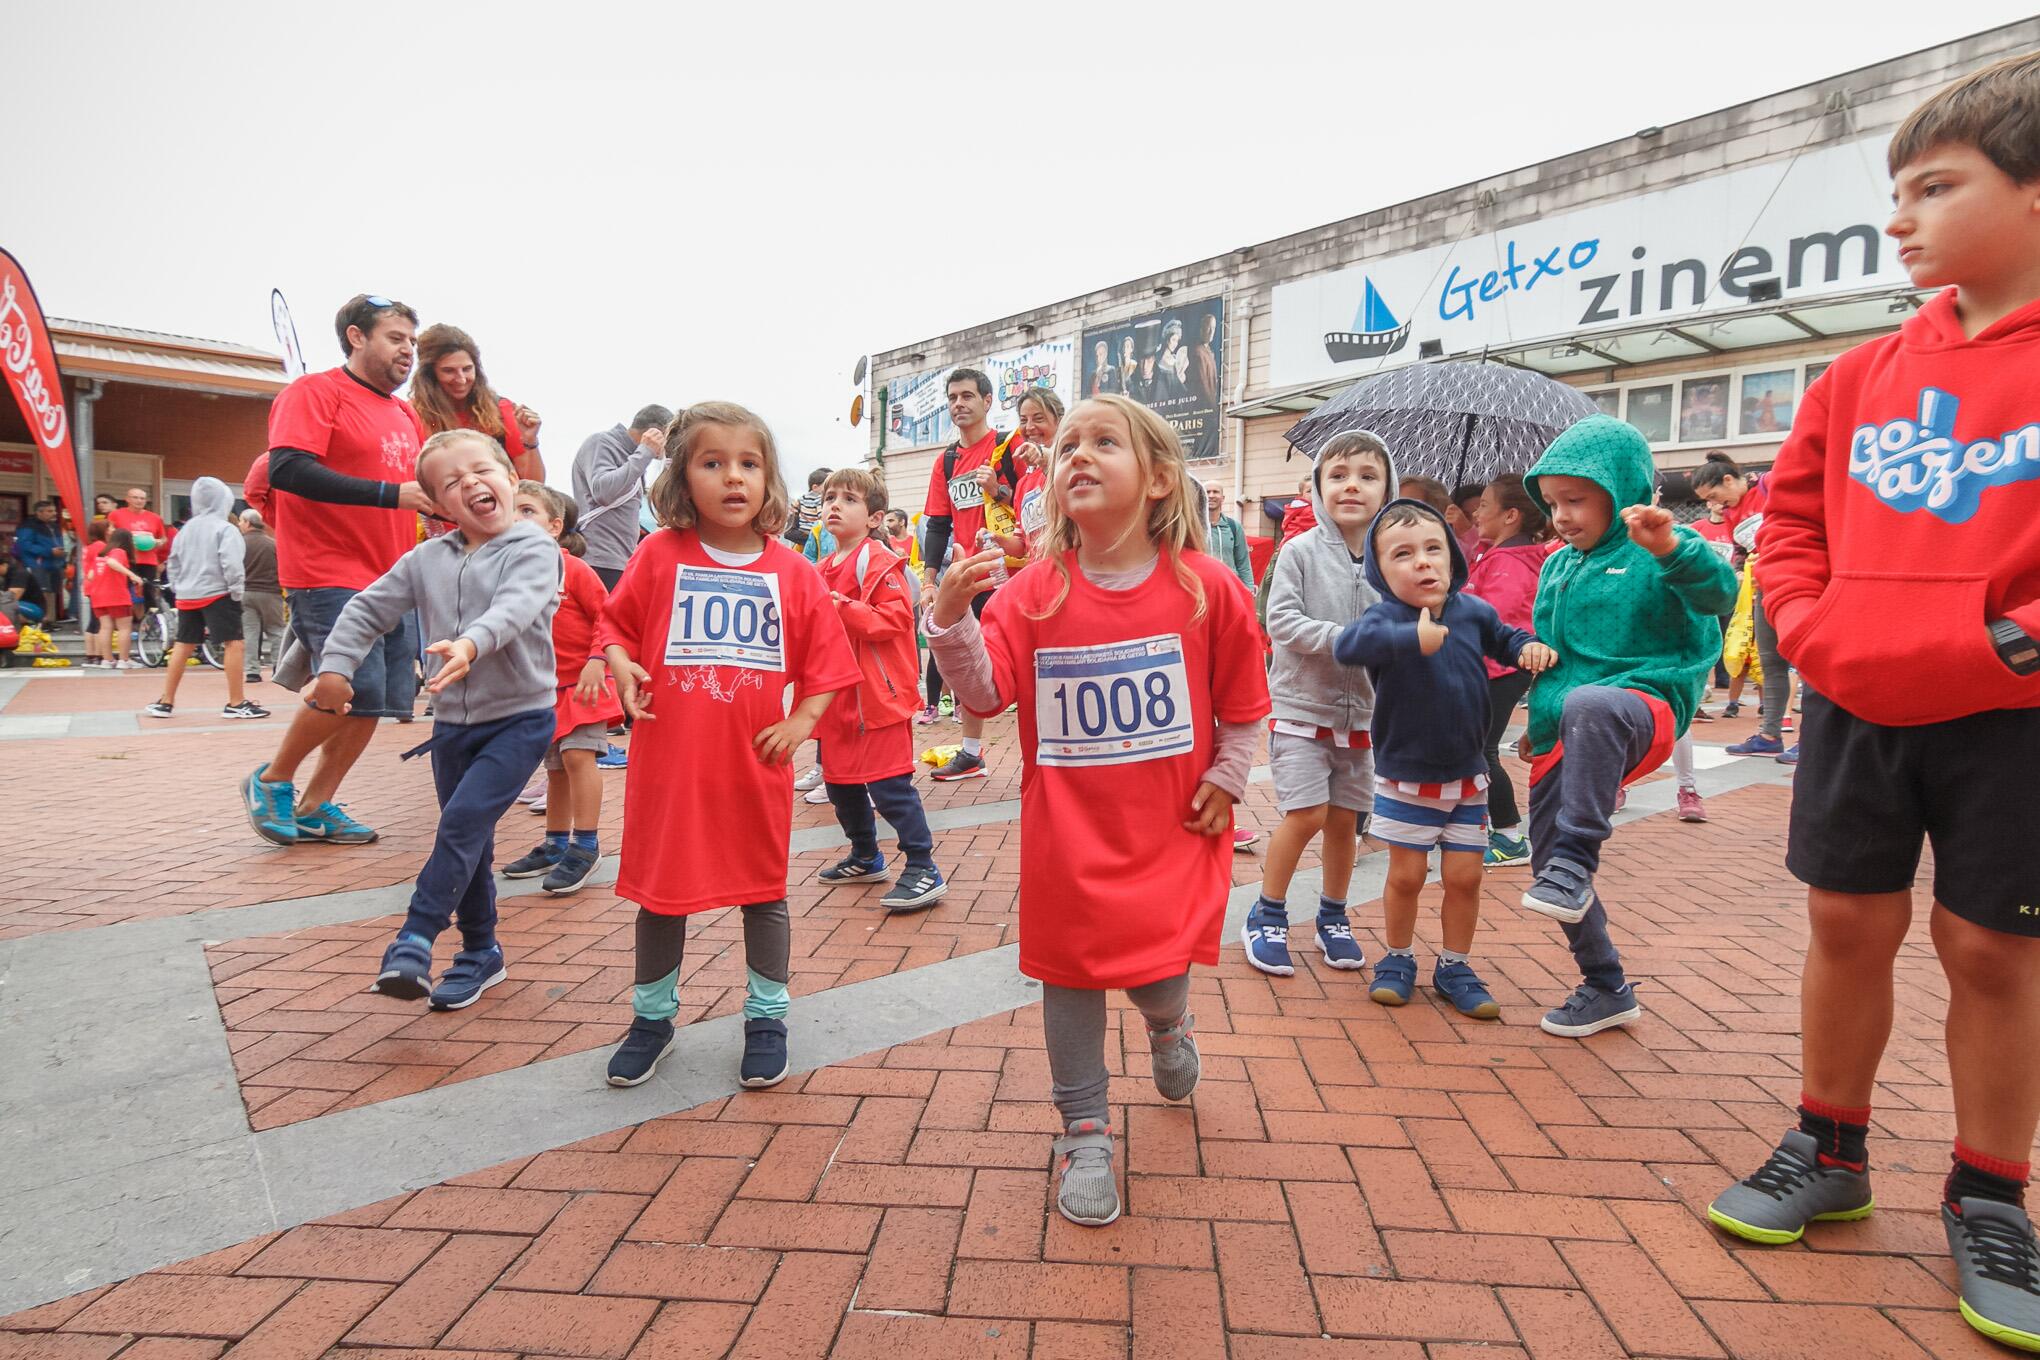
1461	421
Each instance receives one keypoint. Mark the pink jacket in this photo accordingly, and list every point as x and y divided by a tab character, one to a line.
1506	577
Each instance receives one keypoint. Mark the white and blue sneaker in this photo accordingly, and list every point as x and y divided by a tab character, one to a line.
472	972
270	807
615	758
406	972
1589	1010
328	823
1335	940
1266	936
850	868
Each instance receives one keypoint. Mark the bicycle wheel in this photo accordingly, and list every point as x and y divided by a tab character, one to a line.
151	641
210	653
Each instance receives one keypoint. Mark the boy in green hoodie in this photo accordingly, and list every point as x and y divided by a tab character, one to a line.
1629	605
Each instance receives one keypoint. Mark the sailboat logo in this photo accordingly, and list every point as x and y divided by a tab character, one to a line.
1374	334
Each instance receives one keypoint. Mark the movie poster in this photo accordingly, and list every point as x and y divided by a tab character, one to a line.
1172	361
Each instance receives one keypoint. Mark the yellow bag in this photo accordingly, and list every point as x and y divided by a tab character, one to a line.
1739	646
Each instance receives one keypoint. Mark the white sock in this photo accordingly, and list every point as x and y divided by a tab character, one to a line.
973	745
1446	956
1406	952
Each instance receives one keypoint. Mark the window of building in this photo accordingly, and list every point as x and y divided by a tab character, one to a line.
1649	409
1716	408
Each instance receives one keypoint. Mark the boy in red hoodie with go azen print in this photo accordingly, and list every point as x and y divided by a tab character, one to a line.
1900	563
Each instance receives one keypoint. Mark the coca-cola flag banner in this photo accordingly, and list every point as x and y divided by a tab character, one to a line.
286	335
29	361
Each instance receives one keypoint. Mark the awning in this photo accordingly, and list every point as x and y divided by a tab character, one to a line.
88	349
1833	316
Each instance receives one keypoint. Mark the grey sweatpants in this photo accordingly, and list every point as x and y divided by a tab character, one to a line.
1073	1019
1606	732
262	621
1777	675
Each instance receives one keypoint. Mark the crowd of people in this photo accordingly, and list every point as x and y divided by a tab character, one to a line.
1075	572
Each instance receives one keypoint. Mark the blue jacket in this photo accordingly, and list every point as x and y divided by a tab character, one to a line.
1431	712
40	545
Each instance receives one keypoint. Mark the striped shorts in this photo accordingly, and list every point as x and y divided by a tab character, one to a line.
1431	816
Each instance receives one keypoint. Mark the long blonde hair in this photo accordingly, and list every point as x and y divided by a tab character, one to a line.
672	502
1174	523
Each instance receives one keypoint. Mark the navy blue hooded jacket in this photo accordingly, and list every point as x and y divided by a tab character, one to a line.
1431	712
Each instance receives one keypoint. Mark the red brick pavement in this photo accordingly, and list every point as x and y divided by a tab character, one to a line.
1348	1181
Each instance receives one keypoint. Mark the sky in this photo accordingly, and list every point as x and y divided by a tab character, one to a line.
634	202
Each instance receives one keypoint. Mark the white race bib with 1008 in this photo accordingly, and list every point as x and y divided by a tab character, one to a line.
1112	704
724	616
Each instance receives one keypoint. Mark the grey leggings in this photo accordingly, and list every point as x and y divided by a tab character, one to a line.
662	940
1777	677
1073	1019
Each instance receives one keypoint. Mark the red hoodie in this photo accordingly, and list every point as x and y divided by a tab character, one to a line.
1904	516
1297	518
1506	577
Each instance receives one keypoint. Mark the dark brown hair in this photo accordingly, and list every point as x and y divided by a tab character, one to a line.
360	311
1996	110
560	506
431	401
672	502
1510	495
1718	468
869	489
1429	490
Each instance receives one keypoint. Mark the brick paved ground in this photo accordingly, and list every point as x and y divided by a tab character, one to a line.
1347	1182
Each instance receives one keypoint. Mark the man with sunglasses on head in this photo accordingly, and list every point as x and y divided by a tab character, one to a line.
343	453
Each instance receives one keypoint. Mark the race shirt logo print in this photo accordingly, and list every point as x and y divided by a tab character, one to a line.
1922	464
723	616
1115	703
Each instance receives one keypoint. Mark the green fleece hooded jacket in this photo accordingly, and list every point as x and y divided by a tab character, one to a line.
1615	614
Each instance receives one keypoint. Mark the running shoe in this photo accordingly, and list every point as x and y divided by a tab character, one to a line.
615	758
1505	851
1733	709
536	862
1174	1059
270	807
159	709
1562	890
1335	941
252	677
538	804
406	972
817	795
765	1062
1243	840
1266	936
1790	755
1758	745
1087	1193
575	867
962	765
926	716
850	868
1459	984
1691	809
328	823
245	709
1999	1268
472	972
534	787
946	706
637	1057
1791	1189
810	778
1395	980
917	888
1589	1010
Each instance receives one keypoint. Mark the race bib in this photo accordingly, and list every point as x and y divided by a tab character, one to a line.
964	492
1034	511
1112	704
724	616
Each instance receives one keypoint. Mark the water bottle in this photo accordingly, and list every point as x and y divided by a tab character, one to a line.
985	542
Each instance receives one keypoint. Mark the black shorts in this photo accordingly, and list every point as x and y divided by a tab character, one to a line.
1866	796
220	620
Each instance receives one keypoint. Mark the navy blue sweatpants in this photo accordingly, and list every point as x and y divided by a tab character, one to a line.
899	804
477	770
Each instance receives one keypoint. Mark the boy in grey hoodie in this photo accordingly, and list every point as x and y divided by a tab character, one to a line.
1318	750
487	593
206	570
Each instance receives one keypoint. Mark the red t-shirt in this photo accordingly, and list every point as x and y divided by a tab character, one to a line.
144	522
574	623
355	430
867	735
705	824
1120	694
105	587
960	497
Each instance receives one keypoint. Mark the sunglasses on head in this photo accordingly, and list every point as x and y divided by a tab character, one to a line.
377	300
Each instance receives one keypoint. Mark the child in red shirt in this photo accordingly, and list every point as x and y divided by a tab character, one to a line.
714	621
107	587
584	707
1138	717
866	737
1900	563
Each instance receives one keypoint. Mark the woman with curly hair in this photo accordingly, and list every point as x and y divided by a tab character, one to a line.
450	391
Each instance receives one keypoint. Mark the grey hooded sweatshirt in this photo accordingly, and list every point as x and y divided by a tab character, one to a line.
208	557
1315	589
501	597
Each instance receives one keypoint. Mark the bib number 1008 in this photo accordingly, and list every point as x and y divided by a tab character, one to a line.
1112	704
1121	706
723	616
742	620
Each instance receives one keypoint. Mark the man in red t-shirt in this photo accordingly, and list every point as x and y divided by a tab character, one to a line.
343	453
955	512
137	518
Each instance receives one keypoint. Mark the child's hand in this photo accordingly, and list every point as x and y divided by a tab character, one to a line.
329	692
1431	634
1523	745
589	688
1210	810
839	597
632	681
960	583
777	743
1650	528
459	654
1536	658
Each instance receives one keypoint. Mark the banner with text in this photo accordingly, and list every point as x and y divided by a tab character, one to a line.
1172	361
30	363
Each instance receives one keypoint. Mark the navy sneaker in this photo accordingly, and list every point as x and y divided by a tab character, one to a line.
615	758
1266	936
270	807
1589	1010
637	1057
406	968
1395	980
1459	984
850	868
962	765
1758	745
1562	890
1335	940
917	888
539	860
575	868
765	1061
1790	755
472	972
328	823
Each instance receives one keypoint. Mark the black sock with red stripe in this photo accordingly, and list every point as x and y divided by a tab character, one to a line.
1977	1176
1842	1132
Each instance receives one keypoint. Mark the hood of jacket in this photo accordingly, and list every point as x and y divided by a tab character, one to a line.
1608	452
1372	565
208	557
209	496
1325	534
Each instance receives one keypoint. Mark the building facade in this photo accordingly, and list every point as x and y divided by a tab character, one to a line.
1691	279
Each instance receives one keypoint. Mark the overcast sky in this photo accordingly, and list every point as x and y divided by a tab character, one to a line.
633	202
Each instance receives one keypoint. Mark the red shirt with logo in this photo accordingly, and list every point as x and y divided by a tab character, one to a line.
960	497
105	587
1120	695
360	432
144	522
867	735
730	650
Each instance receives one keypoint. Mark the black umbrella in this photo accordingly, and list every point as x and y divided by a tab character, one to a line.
1461	421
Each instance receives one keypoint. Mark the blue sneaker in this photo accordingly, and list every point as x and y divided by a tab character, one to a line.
575	868
1459	984
1335	940
270	807
1790	755
539	860
615	758
1562	890
765	1061
850	868
1589	1010
1266	936
637	1057
1758	745
328	823
406	968
1505	851
473	972
1395	980
917	888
